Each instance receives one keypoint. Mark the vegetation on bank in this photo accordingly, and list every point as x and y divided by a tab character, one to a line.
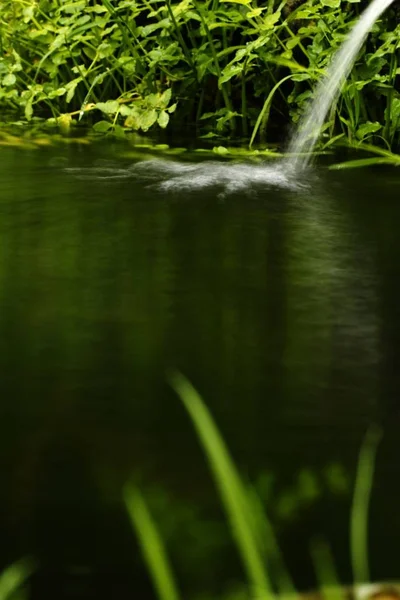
235	68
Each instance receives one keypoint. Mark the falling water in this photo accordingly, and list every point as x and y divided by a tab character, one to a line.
305	138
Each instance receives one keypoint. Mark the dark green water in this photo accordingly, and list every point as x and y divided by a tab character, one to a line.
282	307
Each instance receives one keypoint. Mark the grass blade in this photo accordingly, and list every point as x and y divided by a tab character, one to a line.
229	484
362	162
13	577
360	506
263	116
329	585
151	543
264	533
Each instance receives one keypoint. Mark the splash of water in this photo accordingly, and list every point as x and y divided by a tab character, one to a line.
178	177
224	178
305	138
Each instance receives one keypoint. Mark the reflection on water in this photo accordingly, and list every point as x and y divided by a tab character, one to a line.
280	306
332	295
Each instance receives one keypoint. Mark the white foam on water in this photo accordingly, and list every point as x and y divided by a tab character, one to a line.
225	178
231	177
175	177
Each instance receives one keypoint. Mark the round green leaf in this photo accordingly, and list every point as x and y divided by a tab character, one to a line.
147	119
163	119
9	79
102	126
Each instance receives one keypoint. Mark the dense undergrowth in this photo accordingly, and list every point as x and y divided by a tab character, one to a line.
125	65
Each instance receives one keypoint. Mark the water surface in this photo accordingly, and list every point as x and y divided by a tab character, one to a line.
278	299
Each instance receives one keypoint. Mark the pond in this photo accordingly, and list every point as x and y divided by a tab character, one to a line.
279	302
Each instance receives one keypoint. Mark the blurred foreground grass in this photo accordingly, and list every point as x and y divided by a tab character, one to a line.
251	530
13	578
266	574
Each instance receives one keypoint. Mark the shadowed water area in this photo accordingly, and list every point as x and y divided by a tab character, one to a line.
277	299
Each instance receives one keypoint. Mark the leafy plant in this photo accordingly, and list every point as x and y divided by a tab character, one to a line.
233	67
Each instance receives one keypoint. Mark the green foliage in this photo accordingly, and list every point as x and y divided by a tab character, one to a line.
233	67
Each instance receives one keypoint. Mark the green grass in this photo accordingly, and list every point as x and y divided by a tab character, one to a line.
267	577
361	498
380	156
152	545
251	531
